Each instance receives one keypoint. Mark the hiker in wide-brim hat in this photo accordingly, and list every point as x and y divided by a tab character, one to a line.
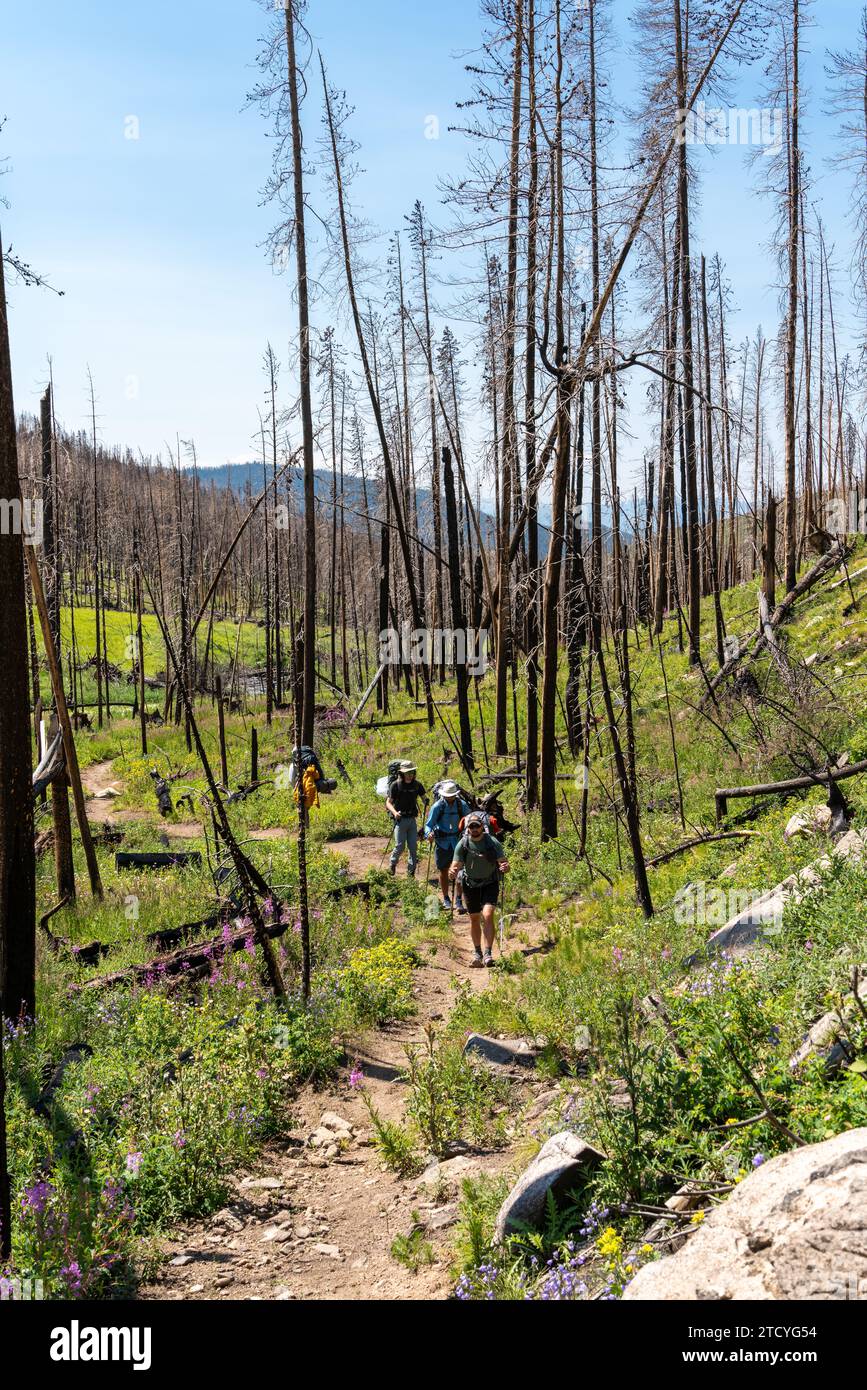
404	794
479	860
443	829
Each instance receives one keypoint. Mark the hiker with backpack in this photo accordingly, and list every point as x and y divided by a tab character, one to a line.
478	862
443	829
307	779
404	794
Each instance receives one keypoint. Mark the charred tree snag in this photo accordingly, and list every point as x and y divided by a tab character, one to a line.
17	858
458	615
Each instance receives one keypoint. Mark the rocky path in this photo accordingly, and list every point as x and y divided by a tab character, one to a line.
317	1216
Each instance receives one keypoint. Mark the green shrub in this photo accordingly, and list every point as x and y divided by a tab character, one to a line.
377	981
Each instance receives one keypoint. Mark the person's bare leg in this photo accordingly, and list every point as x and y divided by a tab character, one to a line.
445	886
488	926
476	929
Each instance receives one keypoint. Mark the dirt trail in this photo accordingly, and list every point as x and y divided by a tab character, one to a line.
363	852
318	1222
101	785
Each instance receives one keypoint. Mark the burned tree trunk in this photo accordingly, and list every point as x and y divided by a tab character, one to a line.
791	407
459	622
17	857
510	425
304	357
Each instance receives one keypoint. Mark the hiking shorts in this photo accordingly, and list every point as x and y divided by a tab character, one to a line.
475	898
444	855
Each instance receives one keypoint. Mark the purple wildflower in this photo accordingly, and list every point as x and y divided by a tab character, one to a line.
36	1198
71	1274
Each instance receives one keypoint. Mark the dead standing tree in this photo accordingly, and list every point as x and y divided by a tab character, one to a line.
17	860
570	375
334	138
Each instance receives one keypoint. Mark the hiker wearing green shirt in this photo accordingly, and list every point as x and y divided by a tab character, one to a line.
480	860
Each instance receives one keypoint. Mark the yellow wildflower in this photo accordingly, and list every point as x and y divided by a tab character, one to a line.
609	1243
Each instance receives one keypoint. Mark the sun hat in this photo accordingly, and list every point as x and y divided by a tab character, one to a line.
449	789
407	767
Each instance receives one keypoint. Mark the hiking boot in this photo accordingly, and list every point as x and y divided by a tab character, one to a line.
392	869
488	960
447	904
459	907
477	963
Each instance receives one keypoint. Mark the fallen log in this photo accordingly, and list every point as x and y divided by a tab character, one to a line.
361	888
357	712
392	723
182	859
82	955
87	955
44	1105
77	1052
759	638
185	962
825	777
341	695
847	579
696	843
169	937
106	834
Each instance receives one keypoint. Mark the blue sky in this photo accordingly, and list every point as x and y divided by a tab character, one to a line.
156	241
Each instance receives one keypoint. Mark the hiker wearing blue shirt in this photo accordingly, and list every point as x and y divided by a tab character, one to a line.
443	828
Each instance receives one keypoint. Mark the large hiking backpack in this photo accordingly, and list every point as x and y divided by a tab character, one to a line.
500	824
437	794
484	846
383	783
303	758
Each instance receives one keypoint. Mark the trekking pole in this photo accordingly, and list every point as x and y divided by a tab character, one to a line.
503	913
388	842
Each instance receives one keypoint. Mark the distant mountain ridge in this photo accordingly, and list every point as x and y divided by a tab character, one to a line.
244	477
